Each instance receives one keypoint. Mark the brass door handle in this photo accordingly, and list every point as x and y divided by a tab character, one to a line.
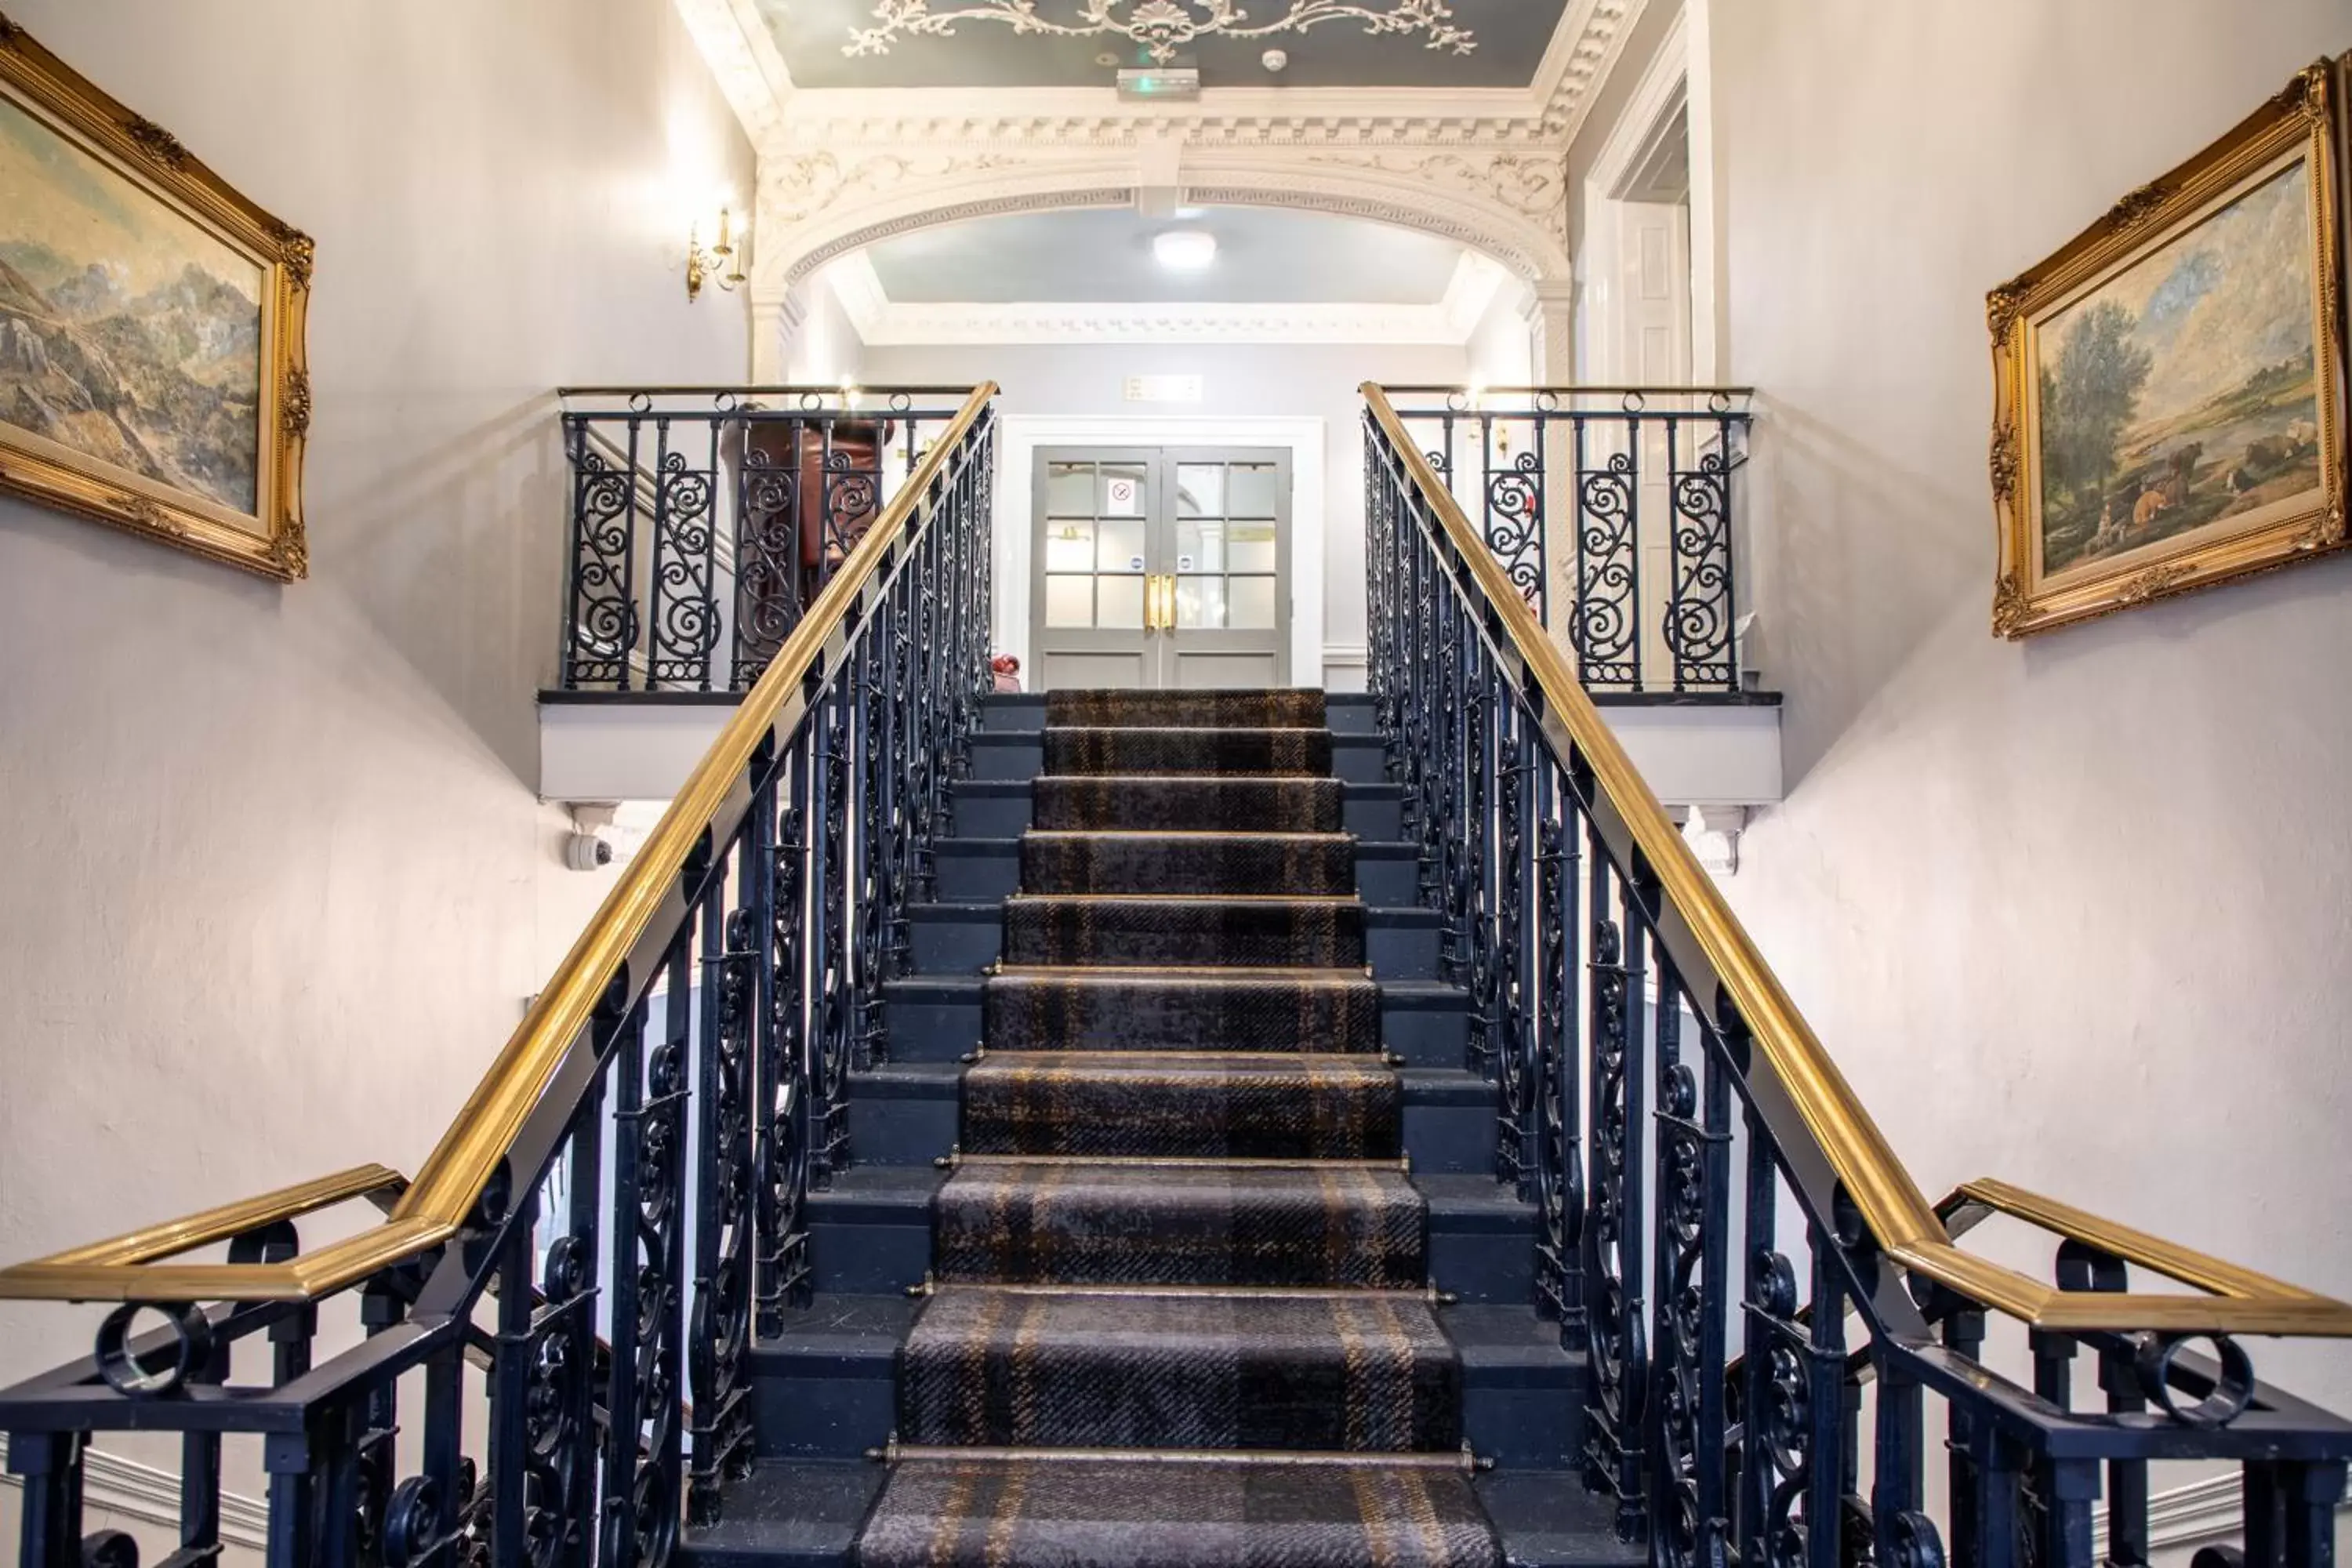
1159	603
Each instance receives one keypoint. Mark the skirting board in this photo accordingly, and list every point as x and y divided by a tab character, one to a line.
2186	1516
132	1491
2191	1516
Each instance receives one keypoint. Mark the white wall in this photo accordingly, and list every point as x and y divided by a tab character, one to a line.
823	349
273	880
2075	911
1501	352
1238	380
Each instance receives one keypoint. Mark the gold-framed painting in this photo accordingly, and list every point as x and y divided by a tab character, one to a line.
152	363
2169	400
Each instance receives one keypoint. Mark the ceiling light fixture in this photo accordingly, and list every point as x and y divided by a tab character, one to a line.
1185	249
1163	27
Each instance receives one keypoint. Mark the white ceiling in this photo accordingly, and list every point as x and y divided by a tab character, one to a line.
1264	256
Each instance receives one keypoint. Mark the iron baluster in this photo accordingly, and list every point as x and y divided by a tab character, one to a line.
1514	1142
1829	1477
514	1491
868	937
1561	1197
828	968
1513	502
785	1068
1690	1209
768	600
1699	611
1614	1243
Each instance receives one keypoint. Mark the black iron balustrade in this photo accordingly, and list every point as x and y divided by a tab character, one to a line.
1614	512
1769	1309
705	520
540	1358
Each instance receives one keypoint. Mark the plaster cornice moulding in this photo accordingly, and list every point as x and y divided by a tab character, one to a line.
744	60
780	117
882	323
839	170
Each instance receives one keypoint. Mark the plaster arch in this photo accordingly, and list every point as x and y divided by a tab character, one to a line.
1509	206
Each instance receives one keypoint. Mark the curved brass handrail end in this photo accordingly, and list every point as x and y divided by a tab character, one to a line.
230	1220
1991	1195
306	1278
2296	1314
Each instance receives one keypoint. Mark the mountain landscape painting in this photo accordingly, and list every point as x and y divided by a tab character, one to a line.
2182	395
127	334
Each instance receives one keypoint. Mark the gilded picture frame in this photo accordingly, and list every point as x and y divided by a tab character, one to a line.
152	369
2170	402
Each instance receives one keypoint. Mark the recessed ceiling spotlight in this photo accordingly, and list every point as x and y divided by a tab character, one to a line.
1274	60
1185	249
1107	60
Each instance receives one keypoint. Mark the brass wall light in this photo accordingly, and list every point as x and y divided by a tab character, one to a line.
721	263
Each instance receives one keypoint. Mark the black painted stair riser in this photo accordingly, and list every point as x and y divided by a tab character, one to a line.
1102	1224
981	1515
943	1018
1127	1103
873	1233
1047	1010
1296	709
1145	929
1145	1370
1166	804
1227	754
1191	863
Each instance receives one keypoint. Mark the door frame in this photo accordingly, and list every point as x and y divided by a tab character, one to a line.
1019	434
1677	80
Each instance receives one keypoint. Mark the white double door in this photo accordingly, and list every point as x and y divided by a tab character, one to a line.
1161	567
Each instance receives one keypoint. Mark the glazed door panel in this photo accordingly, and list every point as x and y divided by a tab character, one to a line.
1161	567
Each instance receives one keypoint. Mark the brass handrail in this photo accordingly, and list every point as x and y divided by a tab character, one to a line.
1875	1179
453	1177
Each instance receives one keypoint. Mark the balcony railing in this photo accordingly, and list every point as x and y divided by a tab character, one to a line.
705	520
1614	512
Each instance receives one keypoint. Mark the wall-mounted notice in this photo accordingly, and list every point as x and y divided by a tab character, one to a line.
1164	389
1122	498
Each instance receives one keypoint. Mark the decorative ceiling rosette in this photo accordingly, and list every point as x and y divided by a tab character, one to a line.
1163	27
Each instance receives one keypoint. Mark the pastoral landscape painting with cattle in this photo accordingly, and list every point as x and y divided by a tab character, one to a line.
2181	396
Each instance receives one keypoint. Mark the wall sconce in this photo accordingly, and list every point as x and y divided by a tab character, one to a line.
721	263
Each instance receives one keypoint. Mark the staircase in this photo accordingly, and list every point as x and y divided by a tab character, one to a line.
1175	1292
1065	1132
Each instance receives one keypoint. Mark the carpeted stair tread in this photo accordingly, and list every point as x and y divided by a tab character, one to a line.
1138	1514
1330	1374
1173	803
1225	754
1170	929
1219	1008
1128	861
1282	708
1248	1105
1071	1222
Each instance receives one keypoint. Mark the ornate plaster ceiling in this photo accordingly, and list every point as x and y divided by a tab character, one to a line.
1508	37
